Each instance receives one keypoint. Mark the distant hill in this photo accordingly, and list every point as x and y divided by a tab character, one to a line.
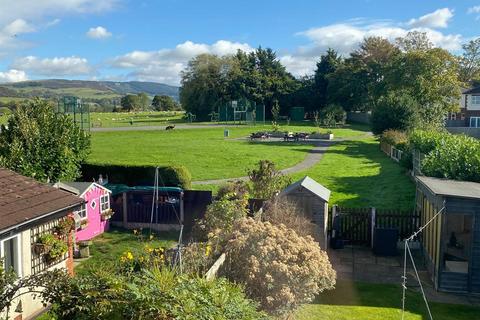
89	90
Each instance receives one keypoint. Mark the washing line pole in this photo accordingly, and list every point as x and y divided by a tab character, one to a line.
407	250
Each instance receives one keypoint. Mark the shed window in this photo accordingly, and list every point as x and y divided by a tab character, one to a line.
457	242
82	213
476	100
105	202
11	254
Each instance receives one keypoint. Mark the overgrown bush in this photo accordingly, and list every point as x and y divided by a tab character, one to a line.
280	210
279	269
177	176
333	115
395	111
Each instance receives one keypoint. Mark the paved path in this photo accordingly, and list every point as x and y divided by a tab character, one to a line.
155	128
312	158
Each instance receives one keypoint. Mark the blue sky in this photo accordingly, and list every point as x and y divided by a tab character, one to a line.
153	40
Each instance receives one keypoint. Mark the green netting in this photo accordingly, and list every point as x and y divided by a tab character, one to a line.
120	188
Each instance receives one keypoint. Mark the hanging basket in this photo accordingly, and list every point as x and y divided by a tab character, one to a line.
40	248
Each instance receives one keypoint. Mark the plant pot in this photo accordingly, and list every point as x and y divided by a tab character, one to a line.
84	251
40	248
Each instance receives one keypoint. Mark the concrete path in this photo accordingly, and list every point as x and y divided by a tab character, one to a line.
312	158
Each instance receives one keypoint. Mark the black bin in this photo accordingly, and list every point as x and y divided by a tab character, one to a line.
385	241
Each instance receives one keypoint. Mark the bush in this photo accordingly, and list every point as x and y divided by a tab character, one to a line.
395	111
266	181
133	175
394	137
279	269
332	115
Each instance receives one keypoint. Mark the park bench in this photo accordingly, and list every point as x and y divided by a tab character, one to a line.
259	135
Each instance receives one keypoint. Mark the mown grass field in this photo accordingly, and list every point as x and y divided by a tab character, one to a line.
360	175
129	119
366	301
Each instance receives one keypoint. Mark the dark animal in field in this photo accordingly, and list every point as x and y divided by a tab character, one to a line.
170	127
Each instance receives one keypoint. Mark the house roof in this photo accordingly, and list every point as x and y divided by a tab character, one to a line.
78	188
451	188
23	199
311	185
472	90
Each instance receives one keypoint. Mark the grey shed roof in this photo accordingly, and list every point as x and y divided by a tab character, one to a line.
77	188
311	185
472	90
451	188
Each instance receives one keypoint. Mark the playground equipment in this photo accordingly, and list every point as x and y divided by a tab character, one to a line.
241	111
73	107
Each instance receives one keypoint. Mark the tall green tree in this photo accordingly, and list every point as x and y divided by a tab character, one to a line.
204	85
431	78
414	41
328	64
164	103
470	61
43	144
129	103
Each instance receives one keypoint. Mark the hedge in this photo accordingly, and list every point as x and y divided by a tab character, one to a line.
448	156
131	175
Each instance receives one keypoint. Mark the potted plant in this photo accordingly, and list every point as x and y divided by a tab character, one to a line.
106	214
58	249
44	244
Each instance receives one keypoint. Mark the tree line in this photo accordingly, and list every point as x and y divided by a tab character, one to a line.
409	80
142	102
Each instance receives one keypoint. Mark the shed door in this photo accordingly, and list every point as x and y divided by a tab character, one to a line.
475	262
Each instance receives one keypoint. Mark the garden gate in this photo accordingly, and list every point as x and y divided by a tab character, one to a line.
357	225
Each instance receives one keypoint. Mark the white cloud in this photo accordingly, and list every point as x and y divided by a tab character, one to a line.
165	65
53	67
98	33
475	9
437	19
13	75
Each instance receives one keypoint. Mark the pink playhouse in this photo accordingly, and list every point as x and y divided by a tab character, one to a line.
92	218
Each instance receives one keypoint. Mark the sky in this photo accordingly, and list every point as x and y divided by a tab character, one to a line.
122	40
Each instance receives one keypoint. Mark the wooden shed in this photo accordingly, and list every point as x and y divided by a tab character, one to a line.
452	241
312	198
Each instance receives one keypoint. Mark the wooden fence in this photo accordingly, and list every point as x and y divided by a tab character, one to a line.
357	225
391	151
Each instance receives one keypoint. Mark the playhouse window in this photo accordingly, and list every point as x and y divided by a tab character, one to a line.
82	213
105	202
11	255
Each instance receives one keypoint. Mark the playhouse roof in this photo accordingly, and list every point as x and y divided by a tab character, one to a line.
451	188
311	185
23	199
78	188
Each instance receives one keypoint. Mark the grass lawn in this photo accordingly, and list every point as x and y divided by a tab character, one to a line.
144	118
360	175
108	247
364	301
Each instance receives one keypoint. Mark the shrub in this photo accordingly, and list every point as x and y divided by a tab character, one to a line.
234	190
158	293
332	115
279	269
266	181
177	176
394	137
280	210
395	111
